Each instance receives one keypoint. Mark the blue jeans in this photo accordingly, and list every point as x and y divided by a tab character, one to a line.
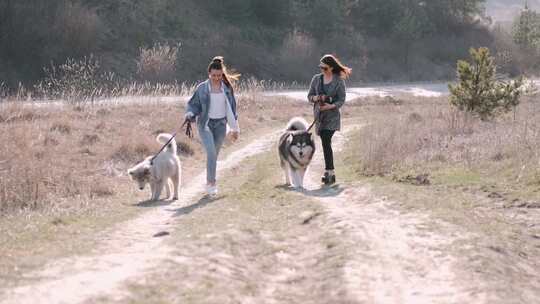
212	140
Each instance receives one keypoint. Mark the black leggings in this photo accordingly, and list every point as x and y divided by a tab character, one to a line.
326	138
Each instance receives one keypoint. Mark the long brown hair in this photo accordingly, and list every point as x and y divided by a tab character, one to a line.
337	67
217	63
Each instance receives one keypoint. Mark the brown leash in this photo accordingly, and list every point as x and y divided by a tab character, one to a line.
312	124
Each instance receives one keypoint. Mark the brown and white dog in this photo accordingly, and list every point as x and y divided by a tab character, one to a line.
159	173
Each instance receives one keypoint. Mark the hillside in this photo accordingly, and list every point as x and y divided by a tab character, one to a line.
280	40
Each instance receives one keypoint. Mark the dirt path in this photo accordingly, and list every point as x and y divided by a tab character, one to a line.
349	247
396	259
126	250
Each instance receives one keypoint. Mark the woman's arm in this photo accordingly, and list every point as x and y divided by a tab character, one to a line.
193	106
340	94
232	118
312	94
232	121
233	106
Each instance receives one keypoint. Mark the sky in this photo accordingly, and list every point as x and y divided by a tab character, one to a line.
506	10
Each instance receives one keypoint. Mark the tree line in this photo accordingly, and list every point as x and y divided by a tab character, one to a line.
280	39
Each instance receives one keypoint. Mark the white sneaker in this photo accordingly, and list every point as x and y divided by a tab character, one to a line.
211	190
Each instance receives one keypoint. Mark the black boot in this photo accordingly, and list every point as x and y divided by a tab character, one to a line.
324	178
328	179
331	179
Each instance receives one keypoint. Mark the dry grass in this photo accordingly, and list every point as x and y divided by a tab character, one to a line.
114	90
481	176
61	157
59	188
421	135
53	153
50	153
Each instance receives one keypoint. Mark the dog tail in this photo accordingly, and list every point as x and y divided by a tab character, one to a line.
297	124
164	138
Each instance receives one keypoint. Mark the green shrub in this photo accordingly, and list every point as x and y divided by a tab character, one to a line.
479	92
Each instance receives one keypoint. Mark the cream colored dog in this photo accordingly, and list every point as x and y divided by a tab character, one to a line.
160	172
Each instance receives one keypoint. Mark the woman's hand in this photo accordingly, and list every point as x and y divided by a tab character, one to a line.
190	116
235	135
318	98
326	106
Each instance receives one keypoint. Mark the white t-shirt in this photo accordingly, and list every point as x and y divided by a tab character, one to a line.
218	106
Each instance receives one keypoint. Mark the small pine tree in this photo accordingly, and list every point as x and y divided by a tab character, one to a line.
478	91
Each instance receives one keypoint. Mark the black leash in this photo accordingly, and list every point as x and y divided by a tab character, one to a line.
189	134
162	148
189	130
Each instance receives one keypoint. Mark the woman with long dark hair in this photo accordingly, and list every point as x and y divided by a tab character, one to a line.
327	94
214	106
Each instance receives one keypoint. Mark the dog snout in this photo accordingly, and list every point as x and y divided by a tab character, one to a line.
141	188
301	153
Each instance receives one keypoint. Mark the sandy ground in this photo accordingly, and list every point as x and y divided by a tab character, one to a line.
340	244
395	259
126	250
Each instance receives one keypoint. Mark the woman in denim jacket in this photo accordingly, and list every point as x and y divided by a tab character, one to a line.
213	106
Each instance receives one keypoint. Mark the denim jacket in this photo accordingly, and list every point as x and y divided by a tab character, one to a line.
199	104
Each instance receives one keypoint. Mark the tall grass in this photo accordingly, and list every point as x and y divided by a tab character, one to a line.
82	81
50	155
427	136
158	63
77	151
62	157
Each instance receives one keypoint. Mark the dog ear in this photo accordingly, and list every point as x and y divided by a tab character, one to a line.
131	173
290	137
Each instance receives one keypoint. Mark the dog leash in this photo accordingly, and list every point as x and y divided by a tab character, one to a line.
189	134
189	130
162	148
321	90
312	124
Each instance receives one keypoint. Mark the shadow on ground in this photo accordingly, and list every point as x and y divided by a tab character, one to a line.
205	200
152	203
323	191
